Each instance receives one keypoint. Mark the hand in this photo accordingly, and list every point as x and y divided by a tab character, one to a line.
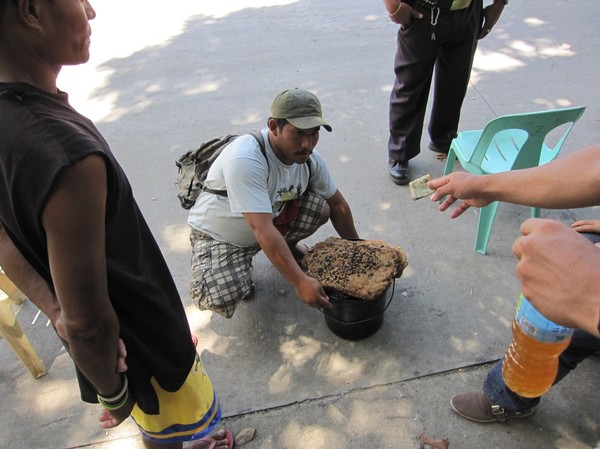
404	15
491	14
57	323
312	293
110	419
558	271
587	226
114	418
121	357
55	315
457	186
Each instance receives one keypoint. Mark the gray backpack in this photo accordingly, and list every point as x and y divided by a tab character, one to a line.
193	167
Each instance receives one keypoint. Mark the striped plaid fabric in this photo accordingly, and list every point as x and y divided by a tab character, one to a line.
222	273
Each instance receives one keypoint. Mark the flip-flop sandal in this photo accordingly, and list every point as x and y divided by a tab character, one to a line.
441	156
213	443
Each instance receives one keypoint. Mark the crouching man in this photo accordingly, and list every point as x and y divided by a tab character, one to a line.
265	200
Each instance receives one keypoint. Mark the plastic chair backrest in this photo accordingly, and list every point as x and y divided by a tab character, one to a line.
516	141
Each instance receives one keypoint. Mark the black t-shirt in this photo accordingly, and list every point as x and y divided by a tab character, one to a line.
40	134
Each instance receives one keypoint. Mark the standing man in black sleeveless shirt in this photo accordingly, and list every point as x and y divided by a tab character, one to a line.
74	241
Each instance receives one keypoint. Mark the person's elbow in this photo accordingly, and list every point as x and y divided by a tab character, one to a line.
337	200
338	205
91	330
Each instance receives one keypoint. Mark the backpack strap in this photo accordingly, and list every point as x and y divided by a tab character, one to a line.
309	164
261	143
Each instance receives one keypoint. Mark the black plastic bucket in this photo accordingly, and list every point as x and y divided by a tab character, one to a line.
354	318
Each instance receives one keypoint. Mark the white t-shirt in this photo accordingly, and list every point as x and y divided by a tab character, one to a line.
253	186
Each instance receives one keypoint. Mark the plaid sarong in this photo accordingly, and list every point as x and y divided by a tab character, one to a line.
222	272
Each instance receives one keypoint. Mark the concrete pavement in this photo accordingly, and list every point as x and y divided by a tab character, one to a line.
160	82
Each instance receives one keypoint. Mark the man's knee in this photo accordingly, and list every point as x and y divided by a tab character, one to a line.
221	276
220	288
222	298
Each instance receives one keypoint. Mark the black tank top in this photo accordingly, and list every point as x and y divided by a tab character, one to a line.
40	134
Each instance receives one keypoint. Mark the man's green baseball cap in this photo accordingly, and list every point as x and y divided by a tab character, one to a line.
299	107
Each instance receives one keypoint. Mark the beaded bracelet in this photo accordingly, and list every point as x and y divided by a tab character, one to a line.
118	400
397	10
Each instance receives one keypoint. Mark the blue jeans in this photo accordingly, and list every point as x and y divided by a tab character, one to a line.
581	347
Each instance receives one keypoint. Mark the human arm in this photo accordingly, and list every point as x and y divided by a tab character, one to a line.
568	182
341	216
491	14
558	271
22	274
74	222
276	249
400	12
35	288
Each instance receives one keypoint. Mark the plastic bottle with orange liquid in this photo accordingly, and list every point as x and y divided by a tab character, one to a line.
531	360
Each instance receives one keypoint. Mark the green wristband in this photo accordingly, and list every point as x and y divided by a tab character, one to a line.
114	406
117	401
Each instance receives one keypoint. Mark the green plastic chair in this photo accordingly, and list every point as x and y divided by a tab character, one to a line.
509	142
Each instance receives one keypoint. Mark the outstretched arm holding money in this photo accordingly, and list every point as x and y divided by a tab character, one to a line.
558	268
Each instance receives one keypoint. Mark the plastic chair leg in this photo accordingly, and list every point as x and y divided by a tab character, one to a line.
484	227
450	160
10	289
535	212
12	332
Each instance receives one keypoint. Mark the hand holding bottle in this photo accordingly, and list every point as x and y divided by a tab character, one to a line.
558	271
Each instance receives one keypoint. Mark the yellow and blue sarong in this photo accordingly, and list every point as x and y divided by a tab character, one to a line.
190	413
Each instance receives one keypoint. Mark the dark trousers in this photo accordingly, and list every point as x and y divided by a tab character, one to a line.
451	55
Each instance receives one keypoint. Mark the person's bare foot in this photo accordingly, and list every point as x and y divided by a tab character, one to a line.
221	439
